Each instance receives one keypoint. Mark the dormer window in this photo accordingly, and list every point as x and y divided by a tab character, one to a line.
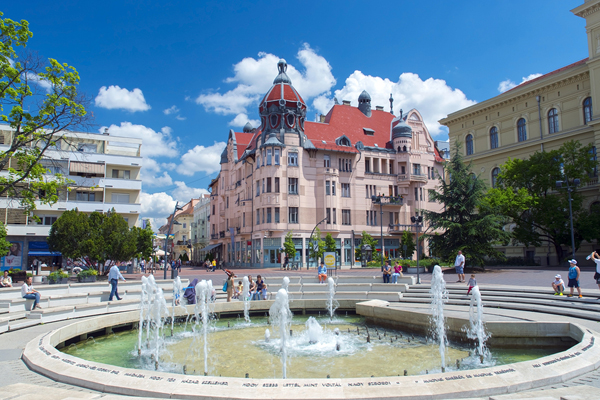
343	141
369	132
290	120
274	120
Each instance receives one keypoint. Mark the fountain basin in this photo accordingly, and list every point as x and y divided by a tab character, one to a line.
42	356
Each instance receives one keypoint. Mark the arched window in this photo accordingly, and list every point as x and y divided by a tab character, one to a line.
469	143
553	121
404	148
587	110
495	173
522	130
494	138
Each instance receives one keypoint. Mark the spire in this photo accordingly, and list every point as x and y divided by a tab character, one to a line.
391	104
282	77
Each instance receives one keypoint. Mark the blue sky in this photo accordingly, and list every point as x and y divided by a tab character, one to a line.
181	74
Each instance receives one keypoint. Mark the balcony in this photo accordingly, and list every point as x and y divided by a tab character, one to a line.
214	236
237	230
388	200
412	178
222	234
398	228
238	184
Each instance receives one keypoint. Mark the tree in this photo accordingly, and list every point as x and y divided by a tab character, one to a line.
288	246
317	246
119	241
39	100
70	234
468	222
4	244
330	244
409	242
527	193
367	240
143	241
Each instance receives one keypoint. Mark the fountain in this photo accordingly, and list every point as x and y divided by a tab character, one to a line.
439	296
314	330
143	307
476	328
286	284
246	298
176	301
281	318
331	303
204	298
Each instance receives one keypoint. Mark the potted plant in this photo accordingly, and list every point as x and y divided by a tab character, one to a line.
58	277
17	275
87	275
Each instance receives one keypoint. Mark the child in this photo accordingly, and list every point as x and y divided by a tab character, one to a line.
472	283
238	290
574	273
558	285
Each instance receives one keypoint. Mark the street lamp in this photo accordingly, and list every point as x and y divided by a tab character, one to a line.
311	240
570	188
418	221
381	200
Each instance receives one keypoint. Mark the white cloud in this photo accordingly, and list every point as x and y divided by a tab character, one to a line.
242	119
154	144
157	180
509	84
201	159
255	76
157	206
41	82
432	97
169	166
171	110
183	193
179	117
114	97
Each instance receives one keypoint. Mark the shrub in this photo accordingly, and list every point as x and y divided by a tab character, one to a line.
87	272
54	276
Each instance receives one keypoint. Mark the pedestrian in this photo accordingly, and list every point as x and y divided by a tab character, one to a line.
574	273
113	278
459	264
29	293
190	292
596	259
472	283
142	266
251	287
230	284
258	289
6	280
558	285
214	265
286	261
397	272
322	272
387	272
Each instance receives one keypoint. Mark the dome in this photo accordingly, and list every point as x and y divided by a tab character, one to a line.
248	127
401	130
282	93
282	77
364	96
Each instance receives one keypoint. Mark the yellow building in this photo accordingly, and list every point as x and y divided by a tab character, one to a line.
540	114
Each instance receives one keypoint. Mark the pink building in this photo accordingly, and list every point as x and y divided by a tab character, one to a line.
290	174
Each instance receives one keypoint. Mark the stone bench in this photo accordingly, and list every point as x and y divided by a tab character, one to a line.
315	287
389	287
350	287
19	304
386	296
52	314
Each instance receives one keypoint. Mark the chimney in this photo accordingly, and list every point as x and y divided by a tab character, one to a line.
321	118
346	102
379	108
106	132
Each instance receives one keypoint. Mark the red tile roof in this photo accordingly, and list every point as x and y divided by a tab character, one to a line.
575	64
242	139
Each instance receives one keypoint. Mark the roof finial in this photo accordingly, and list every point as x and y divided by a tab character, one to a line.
400	113
282	66
391	104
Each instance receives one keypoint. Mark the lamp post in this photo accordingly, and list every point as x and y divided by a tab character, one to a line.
311	239
171	223
570	188
381	200
418	221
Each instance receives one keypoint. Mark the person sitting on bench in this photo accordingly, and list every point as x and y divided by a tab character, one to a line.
322	272
29	293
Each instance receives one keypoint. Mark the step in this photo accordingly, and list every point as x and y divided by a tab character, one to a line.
23	323
385	296
52	314
350	287
389	287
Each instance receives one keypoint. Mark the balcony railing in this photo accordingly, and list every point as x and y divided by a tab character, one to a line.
214	236
222	234
413	177
399	228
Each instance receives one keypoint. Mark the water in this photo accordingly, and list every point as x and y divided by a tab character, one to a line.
286	283
204	294
331	303
476	328
281	319
439	296
246	298
176	302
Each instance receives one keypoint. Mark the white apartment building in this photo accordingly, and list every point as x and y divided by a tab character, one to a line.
105	171
200	231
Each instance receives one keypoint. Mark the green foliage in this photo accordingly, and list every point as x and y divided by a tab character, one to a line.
54	276
143	241
412	263
87	272
526	192
317	245
330	244
368	240
4	244
184	257
288	246
468	222
39	100
409	242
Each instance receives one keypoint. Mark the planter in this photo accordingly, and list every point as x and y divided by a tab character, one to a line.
19	276
37	279
58	281
86	279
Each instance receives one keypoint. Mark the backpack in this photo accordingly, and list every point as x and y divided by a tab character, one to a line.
225	286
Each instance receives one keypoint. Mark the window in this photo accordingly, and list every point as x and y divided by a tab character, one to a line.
333	211
184	224
494	138
264	155
213	213
345	165
276	185
328	215
391	164
269	156
264	188
276	215
121	198
263	214
49	220
257	188
258	161
333	188
469	144
87	148
293	215
431	195
587	110
268	185
258	217
416	169
226	201
269	215
495	173
553	121
594	157
293	185
416	194
367	190
243	220
345	190
276	152
326	161
120	174
372	218
346	217
293	158
522	130
86	196
327	188
367	164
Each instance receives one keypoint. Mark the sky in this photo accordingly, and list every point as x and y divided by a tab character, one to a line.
181	74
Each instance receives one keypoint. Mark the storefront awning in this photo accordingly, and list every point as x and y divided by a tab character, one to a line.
44	253
210	247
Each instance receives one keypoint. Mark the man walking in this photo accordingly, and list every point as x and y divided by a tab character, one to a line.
113	277
459	264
